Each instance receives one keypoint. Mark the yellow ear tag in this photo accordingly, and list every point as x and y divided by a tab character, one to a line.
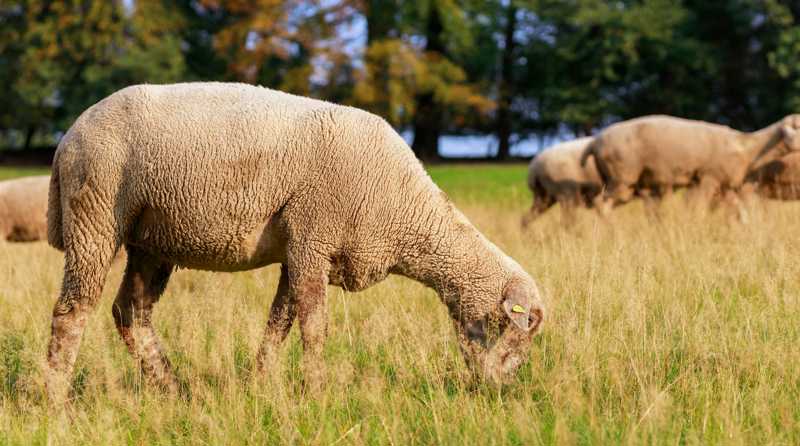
517	309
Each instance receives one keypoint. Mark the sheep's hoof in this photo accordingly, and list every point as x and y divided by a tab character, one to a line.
57	388
314	380
165	382
169	386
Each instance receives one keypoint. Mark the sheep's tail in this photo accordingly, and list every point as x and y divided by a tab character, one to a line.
55	231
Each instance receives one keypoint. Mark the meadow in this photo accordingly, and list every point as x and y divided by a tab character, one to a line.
677	330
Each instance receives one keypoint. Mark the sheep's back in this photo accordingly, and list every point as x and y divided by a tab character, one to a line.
220	176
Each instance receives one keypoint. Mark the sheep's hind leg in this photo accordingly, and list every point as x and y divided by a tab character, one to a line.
569	208
145	280
281	317
86	263
615	194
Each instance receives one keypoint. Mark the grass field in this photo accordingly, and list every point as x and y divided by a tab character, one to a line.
14	172
677	331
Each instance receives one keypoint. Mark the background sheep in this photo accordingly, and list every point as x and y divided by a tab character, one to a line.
231	177
23	209
656	153
777	179
557	175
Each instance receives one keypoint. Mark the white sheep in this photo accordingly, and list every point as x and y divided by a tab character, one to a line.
230	177
653	154
557	175
23	209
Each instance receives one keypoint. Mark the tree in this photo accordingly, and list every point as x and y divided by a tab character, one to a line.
415	85
61	57
428	116
48	50
506	87
272	42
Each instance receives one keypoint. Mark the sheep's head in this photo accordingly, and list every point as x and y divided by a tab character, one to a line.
496	345
791	132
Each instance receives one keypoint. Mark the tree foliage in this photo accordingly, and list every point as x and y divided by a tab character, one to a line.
510	67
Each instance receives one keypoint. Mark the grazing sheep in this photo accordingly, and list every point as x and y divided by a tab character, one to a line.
557	176
777	179
23	209
653	154
229	177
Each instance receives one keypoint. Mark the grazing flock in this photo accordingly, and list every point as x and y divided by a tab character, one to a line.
650	157
230	177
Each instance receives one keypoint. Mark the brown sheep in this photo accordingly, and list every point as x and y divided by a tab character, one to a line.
777	179
557	175
654	154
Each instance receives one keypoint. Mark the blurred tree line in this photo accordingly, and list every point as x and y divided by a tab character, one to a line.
512	68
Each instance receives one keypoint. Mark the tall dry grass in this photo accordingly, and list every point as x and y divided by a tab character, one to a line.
682	330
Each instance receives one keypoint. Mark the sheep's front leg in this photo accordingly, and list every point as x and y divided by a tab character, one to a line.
281	317
652	203
310	293
735	204
144	281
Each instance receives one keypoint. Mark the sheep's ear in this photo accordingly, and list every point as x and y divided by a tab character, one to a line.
518	309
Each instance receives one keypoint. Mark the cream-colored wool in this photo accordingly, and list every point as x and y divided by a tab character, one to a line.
230	177
557	175
23	209
655	154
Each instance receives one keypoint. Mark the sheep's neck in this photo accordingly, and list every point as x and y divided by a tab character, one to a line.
449	261
759	143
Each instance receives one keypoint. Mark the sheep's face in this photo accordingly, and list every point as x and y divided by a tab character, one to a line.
496	346
791	132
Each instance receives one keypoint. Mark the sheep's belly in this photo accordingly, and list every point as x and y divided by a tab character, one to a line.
356	272
219	246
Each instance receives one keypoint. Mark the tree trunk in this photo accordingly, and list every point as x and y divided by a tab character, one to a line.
588	128
427	128
428	117
504	124
29	132
380	15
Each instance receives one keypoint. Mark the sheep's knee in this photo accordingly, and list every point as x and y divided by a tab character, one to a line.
622	194
313	315
530	217
65	339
